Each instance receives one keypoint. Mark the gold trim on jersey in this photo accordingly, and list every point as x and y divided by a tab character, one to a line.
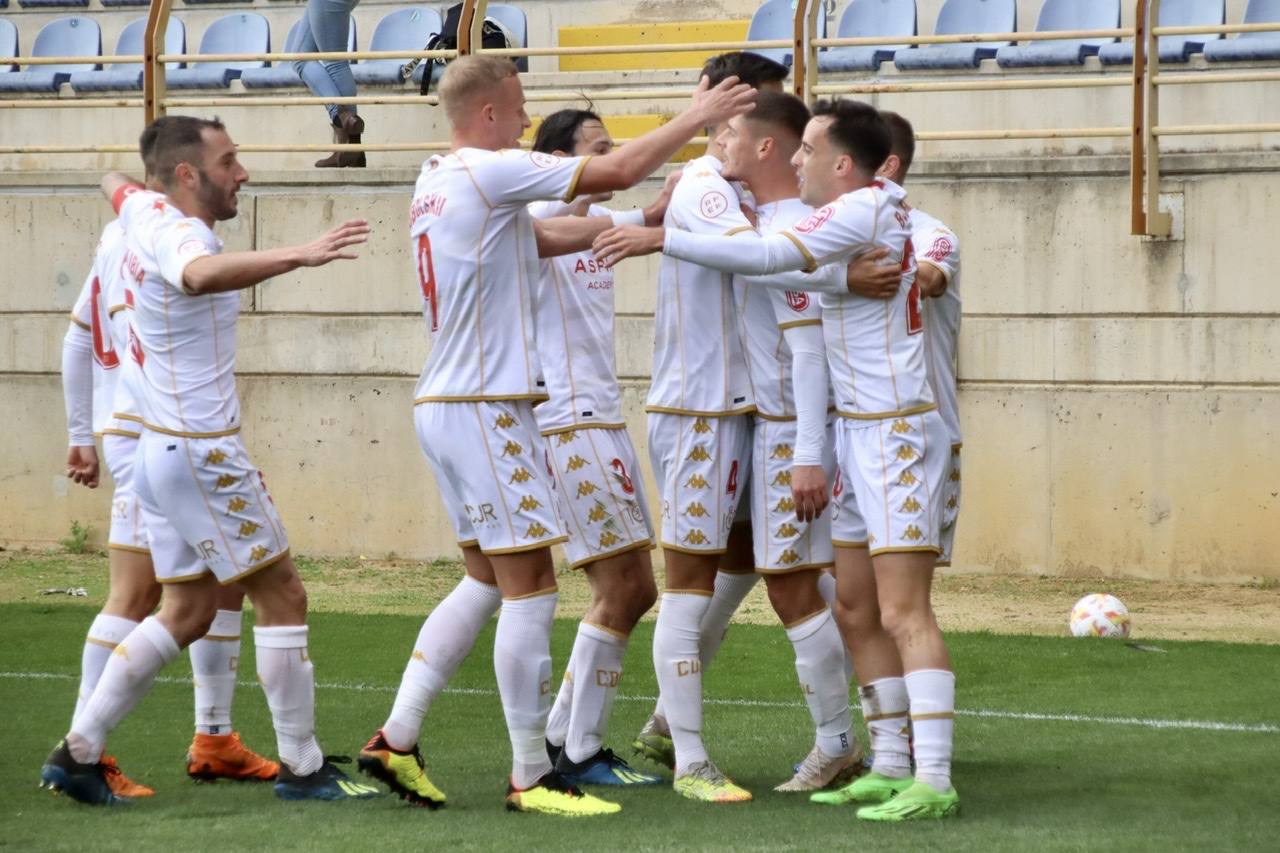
845	543
179	434
803	619
551	590
572	193
738	230
184	578
468	543
576	427
482	398
880	416
647	545
811	263
792	324
680	549
132	549
254	569
121	416
115	309
705	592
775	418
694	413
123	432
792	569
545	543
907	549
77	321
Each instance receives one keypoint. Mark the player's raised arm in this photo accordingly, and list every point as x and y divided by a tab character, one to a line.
641	157
563	235
238	270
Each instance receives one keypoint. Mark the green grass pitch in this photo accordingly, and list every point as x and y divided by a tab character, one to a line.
1107	777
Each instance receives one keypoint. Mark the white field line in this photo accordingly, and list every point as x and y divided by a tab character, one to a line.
982	713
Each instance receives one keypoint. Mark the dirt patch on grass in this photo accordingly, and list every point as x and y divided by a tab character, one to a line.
1003	604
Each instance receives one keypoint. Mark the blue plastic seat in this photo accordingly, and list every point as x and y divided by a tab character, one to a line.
121	76
775	19
513	20
8	44
864	18
1248	47
403	29
284	75
1174	13
242	32
959	17
126	2
73	36
37	4
1064	15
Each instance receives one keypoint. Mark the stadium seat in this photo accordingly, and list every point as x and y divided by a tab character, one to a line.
109	3
1064	15
73	36
37	4
283	74
1174	13
862	18
243	32
775	19
513	20
8	44
403	29
1250	46
128	75
958	17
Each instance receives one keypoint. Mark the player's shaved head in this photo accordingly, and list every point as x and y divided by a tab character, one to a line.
756	71
779	112
857	129
904	142
470	80
171	140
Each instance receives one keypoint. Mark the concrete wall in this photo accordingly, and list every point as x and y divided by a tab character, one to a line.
1119	395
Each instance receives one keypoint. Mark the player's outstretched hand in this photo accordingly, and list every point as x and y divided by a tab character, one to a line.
720	103
809	491
627	241
871	277
82	466
654	213
331	245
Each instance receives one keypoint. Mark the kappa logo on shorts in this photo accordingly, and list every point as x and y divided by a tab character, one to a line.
528	503
512	448
783	451
505	421
871	539
598	513
226	481
785	505
783	479
786	530
789	557
906	478
697	481
236	504
249	528
901	427
536	531
521	475
952	503
259	553
955	475
695	537
214	457
575	463
608	539
701	427
698	454
910	505
912	533
696	510
586	487
906	453
566	438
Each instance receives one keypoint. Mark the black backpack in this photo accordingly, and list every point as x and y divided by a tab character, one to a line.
493	35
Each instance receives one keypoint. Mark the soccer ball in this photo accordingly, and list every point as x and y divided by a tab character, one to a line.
1099	615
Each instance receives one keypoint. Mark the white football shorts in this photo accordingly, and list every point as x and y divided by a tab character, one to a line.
782	542
127	531
702	467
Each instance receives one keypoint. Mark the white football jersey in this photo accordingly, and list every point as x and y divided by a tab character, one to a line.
476	259
937	245
92	313
875	347
698	364
766	313
184	346
574	309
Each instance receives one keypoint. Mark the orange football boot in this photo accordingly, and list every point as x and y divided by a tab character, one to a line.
214	757
120	784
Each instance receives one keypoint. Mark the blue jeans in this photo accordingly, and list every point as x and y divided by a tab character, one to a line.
324	29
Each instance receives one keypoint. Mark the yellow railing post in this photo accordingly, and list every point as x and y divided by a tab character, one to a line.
1138	136
1159	224
473	12
153	89
810	78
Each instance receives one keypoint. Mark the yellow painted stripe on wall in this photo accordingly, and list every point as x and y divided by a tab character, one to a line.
655	33
631	126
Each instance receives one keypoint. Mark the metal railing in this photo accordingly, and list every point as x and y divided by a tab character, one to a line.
1142	127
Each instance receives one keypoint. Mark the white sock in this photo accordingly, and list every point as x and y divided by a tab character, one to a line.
214	660
125	679
596	664
562	708
288	679
885	707
730	590
827	589
679	669
933	711
522	663
105	633
819	660
443	644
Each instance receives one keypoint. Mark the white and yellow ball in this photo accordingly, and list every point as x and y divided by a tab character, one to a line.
1099	615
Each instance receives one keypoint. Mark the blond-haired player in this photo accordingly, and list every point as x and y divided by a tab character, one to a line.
476	249
891	442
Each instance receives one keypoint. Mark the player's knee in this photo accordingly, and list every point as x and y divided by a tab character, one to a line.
187	618
903	622
135	601
856	618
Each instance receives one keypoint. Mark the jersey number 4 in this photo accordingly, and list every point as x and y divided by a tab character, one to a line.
102	349
427	278
915	318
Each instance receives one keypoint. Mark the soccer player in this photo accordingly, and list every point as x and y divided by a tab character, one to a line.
699	406
99	405
882	688
891	442
208	515
598	487
476	249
